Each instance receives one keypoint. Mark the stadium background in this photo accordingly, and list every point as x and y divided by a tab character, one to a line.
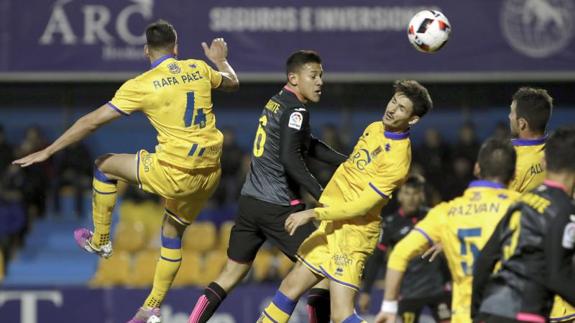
60	59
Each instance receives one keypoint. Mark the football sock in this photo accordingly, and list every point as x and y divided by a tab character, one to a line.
279	310
208	303
166	270
318	306
103	199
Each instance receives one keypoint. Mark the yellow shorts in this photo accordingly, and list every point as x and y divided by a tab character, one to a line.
338	250
186	191
562	311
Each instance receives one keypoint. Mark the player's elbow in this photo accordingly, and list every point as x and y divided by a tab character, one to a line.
230	84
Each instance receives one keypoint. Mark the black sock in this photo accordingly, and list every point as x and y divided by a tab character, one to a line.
318	305
208	303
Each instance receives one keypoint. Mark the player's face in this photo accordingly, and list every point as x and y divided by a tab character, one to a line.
399	113
410	198
308	81
513	122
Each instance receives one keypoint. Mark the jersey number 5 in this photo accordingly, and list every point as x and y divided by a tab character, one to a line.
189	119
464	235
260	140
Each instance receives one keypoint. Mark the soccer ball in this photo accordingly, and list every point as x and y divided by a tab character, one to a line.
428	31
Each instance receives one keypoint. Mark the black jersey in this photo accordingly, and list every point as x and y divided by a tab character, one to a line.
422	278
282	143
531	251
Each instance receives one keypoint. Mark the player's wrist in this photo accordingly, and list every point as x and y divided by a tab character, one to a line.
388	306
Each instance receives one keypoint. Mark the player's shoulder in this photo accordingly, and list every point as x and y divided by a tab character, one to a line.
289	102
374	126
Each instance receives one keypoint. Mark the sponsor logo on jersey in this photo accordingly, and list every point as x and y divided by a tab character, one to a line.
295	120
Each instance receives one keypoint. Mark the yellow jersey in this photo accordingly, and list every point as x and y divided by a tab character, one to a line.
529	172
175	95
378	165
463	226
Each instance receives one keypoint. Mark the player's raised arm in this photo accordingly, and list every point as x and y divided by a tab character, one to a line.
321	151
217	53
78	131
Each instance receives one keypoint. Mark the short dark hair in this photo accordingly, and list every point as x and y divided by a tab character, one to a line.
560	150
298	59
497	159
415	181
417	94
160	35
535	106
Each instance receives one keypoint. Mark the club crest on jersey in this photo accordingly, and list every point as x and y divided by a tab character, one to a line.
568	241
295	120
174	68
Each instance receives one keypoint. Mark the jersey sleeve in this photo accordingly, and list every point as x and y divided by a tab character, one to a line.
431	226
390	175
346	210
214	76
128	98
412	245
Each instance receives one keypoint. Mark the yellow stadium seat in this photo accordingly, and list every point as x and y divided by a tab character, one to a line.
130	237
190	272
142	273
149	213
113	271
1	266
262	264
200	237
214	263
224	235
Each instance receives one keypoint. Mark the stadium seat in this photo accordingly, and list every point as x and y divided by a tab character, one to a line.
200	237
142	273
214	263
130	237
149	213
190	272
262	265
113	271
1	266
224	235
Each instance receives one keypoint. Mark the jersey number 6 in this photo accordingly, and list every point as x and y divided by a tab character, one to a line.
260	140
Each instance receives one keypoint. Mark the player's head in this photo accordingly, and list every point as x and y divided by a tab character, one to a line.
410	102
530	111
161	39
304	74
560	153
411	195
496	161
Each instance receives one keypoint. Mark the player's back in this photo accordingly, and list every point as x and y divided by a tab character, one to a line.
176	97
466	224
529	172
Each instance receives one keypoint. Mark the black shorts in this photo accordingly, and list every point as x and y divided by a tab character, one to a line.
258	221
410	309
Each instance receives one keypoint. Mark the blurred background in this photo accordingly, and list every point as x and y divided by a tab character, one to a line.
59	59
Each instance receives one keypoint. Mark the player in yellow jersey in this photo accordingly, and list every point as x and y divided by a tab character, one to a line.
175	95
463	225
352	202
530	111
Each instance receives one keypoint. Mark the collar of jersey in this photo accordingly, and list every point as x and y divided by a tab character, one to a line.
395	135
529	142
555	184
161	59
484	183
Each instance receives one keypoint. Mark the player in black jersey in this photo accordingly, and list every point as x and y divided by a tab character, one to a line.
533	246
271	191
424	282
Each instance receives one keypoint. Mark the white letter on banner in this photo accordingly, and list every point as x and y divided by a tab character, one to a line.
58	24
142	7
95	20
28	299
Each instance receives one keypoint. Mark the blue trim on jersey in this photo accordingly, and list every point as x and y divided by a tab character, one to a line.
310	266
429	240
561	318
117	109
395	135
484	183
161	59
284	303
100	176
171	260
337	280
171	243
529	142
104	193
378	191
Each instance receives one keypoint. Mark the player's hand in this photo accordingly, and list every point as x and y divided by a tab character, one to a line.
217	52
33	158
363	302
434	251
383	317
296	220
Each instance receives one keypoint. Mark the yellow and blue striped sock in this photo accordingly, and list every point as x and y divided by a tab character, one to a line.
279	310
166	270
103	200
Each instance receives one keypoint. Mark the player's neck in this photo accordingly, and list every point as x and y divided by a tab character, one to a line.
566	180
528	134
295	92
155	56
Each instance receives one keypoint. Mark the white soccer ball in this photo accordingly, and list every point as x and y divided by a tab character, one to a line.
428	31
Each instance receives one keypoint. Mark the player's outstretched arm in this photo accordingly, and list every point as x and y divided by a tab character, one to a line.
217	53
78	131
320	150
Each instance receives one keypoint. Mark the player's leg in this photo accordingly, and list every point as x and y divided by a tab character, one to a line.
318	304
297	282
108	170
245	241
342	303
